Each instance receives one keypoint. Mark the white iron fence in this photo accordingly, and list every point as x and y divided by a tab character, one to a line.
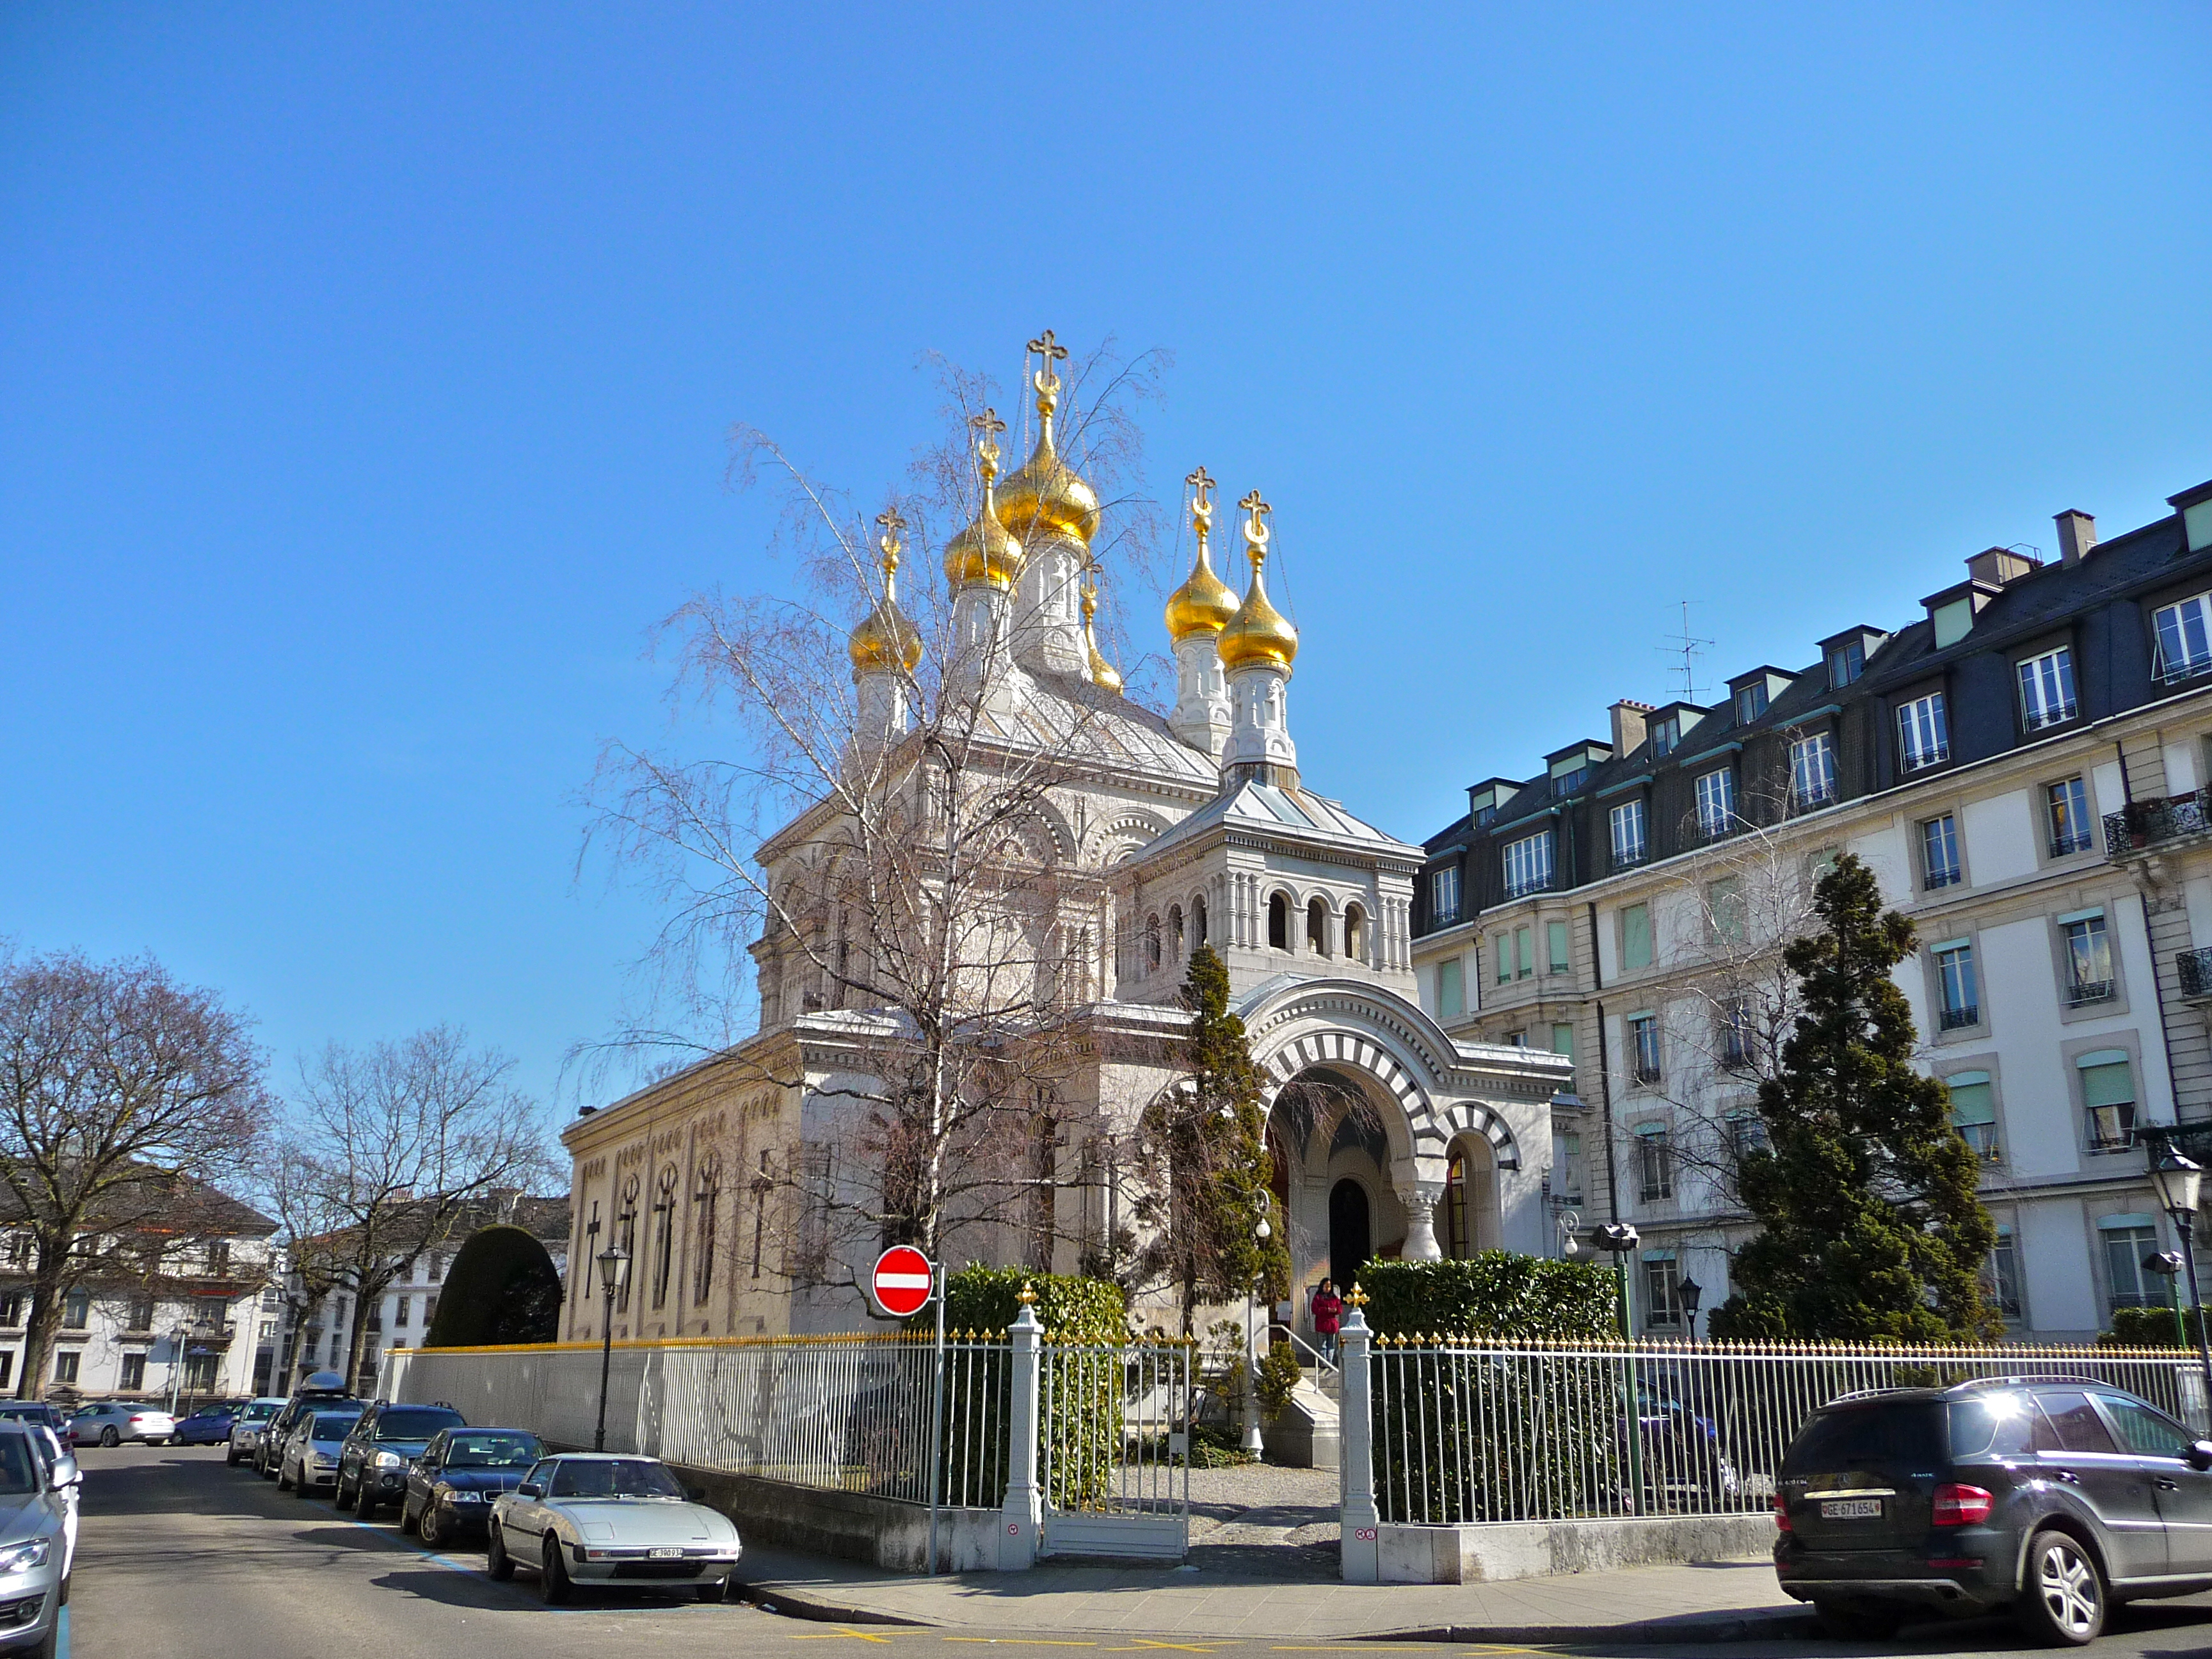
1465	1430
1113	1448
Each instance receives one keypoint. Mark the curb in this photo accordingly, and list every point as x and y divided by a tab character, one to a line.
772	1596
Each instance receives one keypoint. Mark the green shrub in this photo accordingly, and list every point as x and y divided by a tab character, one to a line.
1070	1308
1496	1293
500	1290
1278	1376
2148	1327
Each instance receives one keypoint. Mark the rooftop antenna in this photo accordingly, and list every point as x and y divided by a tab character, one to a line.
1689	646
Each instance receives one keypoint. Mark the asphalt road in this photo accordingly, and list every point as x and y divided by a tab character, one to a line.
182	1558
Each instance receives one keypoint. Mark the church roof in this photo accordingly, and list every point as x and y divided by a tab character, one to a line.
1293	814
1088	724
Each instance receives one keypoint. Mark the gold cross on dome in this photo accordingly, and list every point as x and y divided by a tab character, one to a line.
988	426
1049	348
1201	488
1256	533
893	521
1046	382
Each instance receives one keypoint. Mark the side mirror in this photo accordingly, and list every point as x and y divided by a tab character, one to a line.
2200	1456
529	1489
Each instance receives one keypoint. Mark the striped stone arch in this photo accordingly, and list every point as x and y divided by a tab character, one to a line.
1472	1117
1432	1125
1132	825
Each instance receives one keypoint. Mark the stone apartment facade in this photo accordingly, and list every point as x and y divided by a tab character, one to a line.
2024	766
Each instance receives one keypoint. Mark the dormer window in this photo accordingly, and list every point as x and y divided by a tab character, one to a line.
1846	662
1567	782
1751	702
1665	735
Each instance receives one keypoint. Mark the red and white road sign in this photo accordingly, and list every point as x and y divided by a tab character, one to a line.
902	1280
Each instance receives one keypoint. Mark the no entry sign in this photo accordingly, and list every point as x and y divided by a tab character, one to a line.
902	1280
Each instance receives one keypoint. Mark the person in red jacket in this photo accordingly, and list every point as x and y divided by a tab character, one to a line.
1327	1313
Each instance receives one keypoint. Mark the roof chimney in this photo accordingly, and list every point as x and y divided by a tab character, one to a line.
1628	725
2077	534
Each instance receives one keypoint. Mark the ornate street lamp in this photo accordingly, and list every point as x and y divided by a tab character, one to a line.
614	1268
2166	1264
2180	1180
1253	1442
1692	1293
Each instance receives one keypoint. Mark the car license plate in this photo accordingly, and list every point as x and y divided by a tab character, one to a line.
1851	1508
668	1555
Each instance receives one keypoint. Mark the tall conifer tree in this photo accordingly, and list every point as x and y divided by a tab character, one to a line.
1870	1227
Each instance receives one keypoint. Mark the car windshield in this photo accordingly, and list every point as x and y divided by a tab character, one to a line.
490	1451
256	1411
334	1426
613	1477
1847	1437
419	1424
19	1469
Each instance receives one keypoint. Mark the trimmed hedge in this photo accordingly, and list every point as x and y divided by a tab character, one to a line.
1496	1293
500	1290
2148	1327
1071	1307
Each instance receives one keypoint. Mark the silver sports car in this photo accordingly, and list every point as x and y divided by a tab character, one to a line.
602	1519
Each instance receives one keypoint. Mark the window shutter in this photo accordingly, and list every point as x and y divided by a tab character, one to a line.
2109	1084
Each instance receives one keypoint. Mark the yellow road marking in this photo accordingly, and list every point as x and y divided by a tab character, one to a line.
1018	1642
833	1635
1180	1647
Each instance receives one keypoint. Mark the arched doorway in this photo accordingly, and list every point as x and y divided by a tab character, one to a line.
1351	1232
1466	1219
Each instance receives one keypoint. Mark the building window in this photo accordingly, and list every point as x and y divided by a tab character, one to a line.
2185	639
2001	1284
65	1363
1635	937
437	1267
1923	736
11	1310
1444	896
1662	1305
404	1315
1555	947
1504	958
1451	997
1845	664
1665	735
1566	1172
1717	802
1643	1046
1567	782
140	1315
1152	942
1628	843
6	1366
429	1311
1355	929
2127	1240
1317	926
1524	954
1655	1162
1939	853
2067	806
1529	865
1746	1133
1961	999
1812	771
1562	1038
2046	690
76	1310
1974	1112
2088	962
1750	703
19	1249
134	1372
2108	1099
1729	912
1279	914
1738	1045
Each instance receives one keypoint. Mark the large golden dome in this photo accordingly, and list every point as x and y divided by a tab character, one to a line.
1047	497
1259	635
986	551
1204	603
884	638
1104	674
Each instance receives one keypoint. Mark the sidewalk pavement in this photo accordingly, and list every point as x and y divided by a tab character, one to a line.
1723	1602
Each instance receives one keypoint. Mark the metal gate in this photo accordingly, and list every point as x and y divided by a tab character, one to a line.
1114	1448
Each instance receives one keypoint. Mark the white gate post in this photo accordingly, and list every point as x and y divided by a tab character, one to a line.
1022	1521
1357	1524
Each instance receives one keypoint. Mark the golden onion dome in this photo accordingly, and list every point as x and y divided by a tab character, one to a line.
1259	635
1102	673
1047	497
1204	603
986	551
884	639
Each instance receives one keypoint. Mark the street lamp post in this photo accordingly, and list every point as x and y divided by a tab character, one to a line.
1618	1239
2166	1264
1691	1294
177	1363
1254	1443
2180	1181
614	1264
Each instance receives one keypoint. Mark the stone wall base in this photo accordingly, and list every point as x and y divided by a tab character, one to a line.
849	1525
1532	1549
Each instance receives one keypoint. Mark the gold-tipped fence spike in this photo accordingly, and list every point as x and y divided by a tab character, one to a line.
1027	1295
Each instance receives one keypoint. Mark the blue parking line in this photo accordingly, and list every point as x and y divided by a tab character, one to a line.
451	1565
61	1642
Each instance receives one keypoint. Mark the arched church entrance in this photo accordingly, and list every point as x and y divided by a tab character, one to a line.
1350	1234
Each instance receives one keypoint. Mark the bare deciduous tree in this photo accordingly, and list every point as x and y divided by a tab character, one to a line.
123	1097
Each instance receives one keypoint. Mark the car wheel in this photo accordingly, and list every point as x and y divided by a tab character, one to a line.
1859	1622
715	1589
109	1437
2062	1599
365	1503
553	1575
283	1480
430	1529
231	1457
498	1564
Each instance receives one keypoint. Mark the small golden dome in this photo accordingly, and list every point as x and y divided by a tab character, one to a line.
1204	603
1047	497
1259	635
884	638
986	551
1102	673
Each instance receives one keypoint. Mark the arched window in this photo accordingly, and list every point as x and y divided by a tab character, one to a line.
705	1201
1279	921
1198	921
1318	927
664	1233
627	1224
1355	932
1174	930
1151	942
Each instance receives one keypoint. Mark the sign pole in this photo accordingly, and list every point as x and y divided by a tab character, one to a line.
937	1413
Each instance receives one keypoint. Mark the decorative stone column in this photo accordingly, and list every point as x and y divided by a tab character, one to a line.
1419	1198
1021	1520
1358	1525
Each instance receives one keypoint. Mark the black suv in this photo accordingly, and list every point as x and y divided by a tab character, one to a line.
324	1391
2057	1496
373	1462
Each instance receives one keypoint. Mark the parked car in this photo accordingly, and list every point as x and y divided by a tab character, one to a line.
37	1536
2055	1497
310	1456
209	1425
111	1422
323	1388
253	1417
44	1412
451	1486
372	1464
600	1518
1682	1455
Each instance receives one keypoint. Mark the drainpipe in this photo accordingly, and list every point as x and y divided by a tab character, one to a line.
1604	1075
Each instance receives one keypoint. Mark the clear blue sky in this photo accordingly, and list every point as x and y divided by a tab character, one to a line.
366	372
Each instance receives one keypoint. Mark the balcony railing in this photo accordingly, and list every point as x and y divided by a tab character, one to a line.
1647	1073
2142	824
2067	846
2082	992
2196	968
1956	1019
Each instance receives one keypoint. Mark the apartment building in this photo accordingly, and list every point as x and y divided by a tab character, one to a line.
2023	765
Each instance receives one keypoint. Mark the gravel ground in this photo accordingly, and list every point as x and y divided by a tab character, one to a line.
1261	1521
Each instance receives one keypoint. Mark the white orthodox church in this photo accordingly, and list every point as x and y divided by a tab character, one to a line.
1193	829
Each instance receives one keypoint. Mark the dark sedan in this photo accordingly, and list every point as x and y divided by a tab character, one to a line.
209	1425
451	1486
373	1466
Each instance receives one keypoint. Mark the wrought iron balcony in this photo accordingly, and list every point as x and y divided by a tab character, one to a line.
2196	968
1957	1019
2081	993
2142	824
